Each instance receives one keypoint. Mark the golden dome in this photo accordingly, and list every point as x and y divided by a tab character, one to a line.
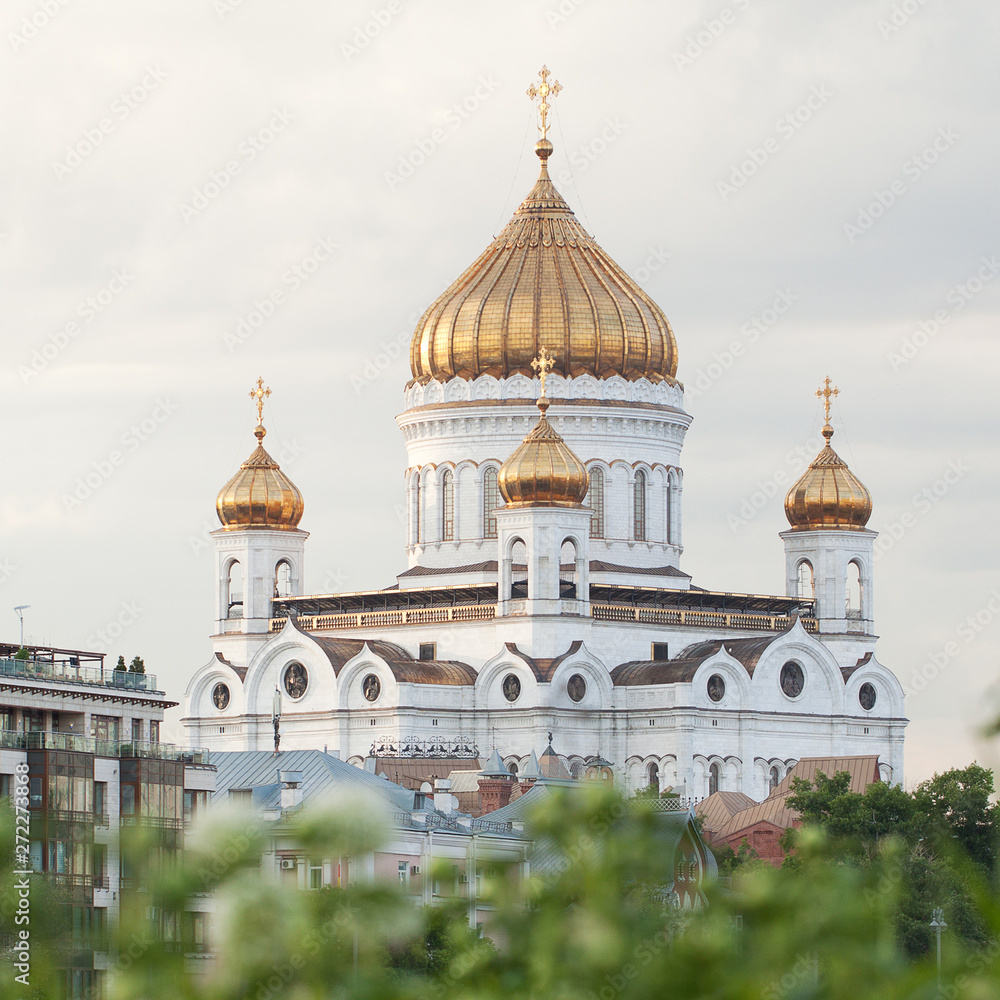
260	495
543	281
828	495
543	471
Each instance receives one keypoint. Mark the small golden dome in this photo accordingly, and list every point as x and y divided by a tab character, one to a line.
260	495
828	495
543	280
543	471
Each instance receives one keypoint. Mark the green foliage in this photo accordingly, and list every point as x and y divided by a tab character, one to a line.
22	654
120	665
741	861
136	666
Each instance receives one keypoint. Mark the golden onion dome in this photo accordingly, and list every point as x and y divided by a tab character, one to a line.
543	471
828	495
260	495
543	281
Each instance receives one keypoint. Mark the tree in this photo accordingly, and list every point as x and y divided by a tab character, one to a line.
22	654
741	861
121	663
137	666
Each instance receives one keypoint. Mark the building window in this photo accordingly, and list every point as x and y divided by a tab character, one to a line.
595	500
854	590
137	730
659	651
491	500
653	776
403	872
101	802
428	651
639	507
713	779
416	509
235	604
316	876
806	585
774	779
241	796
6	781
154	731
283	579
669	533
448	505
105	727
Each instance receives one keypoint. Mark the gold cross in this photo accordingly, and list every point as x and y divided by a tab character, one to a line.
544	90
543	364
826	394
260	394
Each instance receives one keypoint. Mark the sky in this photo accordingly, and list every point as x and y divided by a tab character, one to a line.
199	193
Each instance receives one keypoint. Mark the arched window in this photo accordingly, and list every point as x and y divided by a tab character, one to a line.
491	500
448	505
518	570
853	595
512	767
415	513
653	774
669	532
713	779
567	570
283	579
235	590
639	507
774	779
806	582
595	500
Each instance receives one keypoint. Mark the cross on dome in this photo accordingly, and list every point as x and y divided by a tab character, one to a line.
544	90
543	364
826	394
260	393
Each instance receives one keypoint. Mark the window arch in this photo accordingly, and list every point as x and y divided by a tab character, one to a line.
491	500
653	776
512	768
518	570
639	506
854	590
234	590
713	779
774	779
806	580
567	569
415	512
283	579
595	500
448	505
669	527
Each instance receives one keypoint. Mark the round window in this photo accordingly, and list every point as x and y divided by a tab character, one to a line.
576	687
512	687
296	680
371	687
220	697
792	679
716	687
867	695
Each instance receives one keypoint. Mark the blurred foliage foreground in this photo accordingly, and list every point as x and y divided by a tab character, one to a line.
826	927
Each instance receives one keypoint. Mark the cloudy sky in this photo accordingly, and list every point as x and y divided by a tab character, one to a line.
167	168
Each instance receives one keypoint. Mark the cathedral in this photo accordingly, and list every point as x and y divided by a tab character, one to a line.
544	592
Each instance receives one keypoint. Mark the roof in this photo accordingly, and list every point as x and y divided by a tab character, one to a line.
494	766
720	807
682	668
544	668
321	773
864	771
403	666
599	566
551	765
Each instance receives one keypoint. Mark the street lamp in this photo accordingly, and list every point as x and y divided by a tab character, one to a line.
276	718
19	611
937	922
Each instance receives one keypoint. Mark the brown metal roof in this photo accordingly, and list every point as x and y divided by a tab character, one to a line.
719	808
544	668
682	668
404	668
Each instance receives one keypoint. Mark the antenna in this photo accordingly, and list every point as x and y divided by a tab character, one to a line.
19	611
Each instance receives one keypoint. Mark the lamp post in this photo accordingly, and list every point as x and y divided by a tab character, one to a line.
276	718
19	611
937	922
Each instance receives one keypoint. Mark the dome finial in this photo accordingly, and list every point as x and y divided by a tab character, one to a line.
543	364
260	393
541	92
826	394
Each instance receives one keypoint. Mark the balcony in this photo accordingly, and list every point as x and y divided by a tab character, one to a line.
69	672
101	748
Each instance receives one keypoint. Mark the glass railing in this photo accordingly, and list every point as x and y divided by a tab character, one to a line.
101	748
64	670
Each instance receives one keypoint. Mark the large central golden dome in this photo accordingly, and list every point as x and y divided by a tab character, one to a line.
543	281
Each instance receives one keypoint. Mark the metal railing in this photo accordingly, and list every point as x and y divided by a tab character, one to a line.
698	619
63	670
42	740
382	619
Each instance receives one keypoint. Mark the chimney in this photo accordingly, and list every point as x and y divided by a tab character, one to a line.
444	801
495	785
291	788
